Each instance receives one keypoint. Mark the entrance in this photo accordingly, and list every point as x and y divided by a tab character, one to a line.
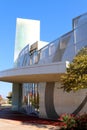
31	98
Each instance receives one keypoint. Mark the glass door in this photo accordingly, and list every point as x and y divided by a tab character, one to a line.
32	98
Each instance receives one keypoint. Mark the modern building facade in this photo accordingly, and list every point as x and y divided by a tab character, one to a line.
38	68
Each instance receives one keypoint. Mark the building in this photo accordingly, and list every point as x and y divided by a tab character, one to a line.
38	67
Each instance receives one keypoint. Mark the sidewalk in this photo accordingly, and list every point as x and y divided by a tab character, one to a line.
9	125
10	120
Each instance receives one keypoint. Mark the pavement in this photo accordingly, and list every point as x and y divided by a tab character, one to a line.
9	125
10	120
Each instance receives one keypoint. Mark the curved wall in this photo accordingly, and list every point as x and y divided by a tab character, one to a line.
72	102
57	102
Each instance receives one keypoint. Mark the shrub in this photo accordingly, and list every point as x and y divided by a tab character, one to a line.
81	121
69	122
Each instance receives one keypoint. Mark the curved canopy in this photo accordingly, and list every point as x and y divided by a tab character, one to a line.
35	73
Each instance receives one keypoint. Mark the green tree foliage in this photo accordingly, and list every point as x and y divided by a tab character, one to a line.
76	75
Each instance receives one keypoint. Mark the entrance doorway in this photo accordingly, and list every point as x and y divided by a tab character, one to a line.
31	98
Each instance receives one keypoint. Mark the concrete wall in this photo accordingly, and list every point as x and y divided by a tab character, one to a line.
42	110
54	101
16	96
73	102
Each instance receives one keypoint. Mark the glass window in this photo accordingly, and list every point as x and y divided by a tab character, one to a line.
64	40
31	98
35	58
80	33
80	20
44	53
51	49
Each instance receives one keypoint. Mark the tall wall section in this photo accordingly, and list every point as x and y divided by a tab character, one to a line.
54	101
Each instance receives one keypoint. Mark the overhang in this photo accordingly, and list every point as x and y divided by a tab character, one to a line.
34	73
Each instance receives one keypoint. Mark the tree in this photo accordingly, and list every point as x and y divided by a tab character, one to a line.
9	97
1	99
76	75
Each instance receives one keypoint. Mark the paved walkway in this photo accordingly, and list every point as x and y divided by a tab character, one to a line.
13	121
9	125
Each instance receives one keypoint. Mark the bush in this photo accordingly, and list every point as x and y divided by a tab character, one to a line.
68	120
81	121
71	122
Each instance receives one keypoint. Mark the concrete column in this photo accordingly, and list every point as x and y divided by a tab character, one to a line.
42	110
16	96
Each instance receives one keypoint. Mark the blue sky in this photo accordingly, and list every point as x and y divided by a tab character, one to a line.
55	17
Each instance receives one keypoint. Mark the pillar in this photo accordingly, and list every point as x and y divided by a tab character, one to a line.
16	96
